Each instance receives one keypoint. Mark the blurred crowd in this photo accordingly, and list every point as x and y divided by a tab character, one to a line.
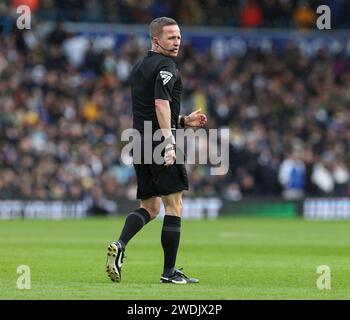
238	13
63	110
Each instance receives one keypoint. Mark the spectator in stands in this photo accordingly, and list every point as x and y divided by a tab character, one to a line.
251	14
58	35
292	176
236	13
304	16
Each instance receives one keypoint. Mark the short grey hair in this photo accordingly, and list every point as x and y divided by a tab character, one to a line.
156	26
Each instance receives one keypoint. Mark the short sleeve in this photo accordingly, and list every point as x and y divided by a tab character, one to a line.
165	81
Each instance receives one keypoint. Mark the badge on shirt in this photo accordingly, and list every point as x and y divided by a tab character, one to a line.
166	76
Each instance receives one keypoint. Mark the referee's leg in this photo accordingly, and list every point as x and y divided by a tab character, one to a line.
136	220
170	237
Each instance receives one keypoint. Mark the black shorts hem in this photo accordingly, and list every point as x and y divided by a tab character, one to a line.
158	180
150	195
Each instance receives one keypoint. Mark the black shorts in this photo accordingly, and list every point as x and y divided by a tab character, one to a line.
155	180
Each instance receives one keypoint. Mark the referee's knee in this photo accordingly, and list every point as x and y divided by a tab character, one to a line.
173	204
174	210
152	210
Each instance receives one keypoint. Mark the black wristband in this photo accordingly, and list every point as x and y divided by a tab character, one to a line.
169	140
182	121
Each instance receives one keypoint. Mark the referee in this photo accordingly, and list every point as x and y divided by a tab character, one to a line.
156	93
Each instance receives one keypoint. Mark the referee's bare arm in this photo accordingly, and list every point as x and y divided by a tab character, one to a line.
164	116
164	119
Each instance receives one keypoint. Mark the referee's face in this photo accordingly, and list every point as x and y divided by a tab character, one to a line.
169	41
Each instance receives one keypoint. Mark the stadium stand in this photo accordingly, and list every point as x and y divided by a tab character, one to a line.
65	103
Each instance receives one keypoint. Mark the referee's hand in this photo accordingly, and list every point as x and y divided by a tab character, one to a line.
169	155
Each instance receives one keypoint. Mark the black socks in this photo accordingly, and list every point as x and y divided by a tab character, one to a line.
133	224
170	242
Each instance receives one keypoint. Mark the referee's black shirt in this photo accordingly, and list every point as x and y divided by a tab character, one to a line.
154	77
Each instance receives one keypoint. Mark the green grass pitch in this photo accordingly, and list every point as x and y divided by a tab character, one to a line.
234	258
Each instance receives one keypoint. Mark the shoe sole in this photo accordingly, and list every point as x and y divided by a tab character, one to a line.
164	280
185	281
112	271
173	282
